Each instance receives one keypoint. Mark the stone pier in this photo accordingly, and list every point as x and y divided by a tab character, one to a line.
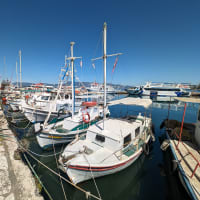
16	179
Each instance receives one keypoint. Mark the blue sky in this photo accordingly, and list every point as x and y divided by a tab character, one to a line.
159	39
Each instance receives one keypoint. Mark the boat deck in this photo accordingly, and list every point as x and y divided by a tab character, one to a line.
188	163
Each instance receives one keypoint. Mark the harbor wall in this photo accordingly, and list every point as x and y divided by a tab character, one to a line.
16	180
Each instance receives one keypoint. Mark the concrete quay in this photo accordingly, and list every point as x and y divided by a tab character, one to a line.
16	179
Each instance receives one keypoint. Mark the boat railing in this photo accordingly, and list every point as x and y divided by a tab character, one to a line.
180	141
129	146
189	153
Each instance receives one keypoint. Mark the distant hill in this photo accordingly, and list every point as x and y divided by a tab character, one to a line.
77	84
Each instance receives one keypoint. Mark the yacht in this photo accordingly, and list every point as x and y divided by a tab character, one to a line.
164	89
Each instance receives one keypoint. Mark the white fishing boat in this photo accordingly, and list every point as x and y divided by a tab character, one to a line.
94	87
110	145
58	104
36	108
164	89
134	90
109	89
99	88
66	130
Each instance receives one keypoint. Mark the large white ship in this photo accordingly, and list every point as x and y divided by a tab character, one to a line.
164	89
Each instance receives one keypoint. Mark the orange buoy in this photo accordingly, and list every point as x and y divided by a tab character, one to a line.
89	103
77	92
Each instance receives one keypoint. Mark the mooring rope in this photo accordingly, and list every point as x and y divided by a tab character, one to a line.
77	187
93	177
59	171
29	152
32	169
21	127
55	173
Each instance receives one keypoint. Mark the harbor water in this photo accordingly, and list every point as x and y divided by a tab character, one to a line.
147	178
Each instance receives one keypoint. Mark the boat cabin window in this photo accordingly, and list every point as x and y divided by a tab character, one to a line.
137	131
52	97
164	89
127	140
100	138
45	98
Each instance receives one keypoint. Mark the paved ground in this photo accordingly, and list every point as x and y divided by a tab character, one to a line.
16	180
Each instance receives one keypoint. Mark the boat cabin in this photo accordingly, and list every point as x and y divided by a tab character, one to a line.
115	139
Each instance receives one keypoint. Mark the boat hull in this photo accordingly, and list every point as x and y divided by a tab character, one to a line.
47	140
182	175
164	93
79	174
82	174
39	116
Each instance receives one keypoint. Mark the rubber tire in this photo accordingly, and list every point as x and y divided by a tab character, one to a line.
145	148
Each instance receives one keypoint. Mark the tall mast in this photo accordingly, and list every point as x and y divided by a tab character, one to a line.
104	63
72	58
73	88
17	74
20	67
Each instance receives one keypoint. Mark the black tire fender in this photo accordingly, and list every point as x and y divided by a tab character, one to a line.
145	148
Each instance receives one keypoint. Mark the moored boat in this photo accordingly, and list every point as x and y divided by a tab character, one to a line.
184	143
65	131
164	89
110	145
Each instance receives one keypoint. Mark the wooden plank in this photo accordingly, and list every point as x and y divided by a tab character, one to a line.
188	163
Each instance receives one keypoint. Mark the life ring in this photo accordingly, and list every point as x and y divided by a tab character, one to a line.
89	103
145	148
84	117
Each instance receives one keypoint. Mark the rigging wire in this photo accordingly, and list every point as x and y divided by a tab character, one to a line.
58	170
95	51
